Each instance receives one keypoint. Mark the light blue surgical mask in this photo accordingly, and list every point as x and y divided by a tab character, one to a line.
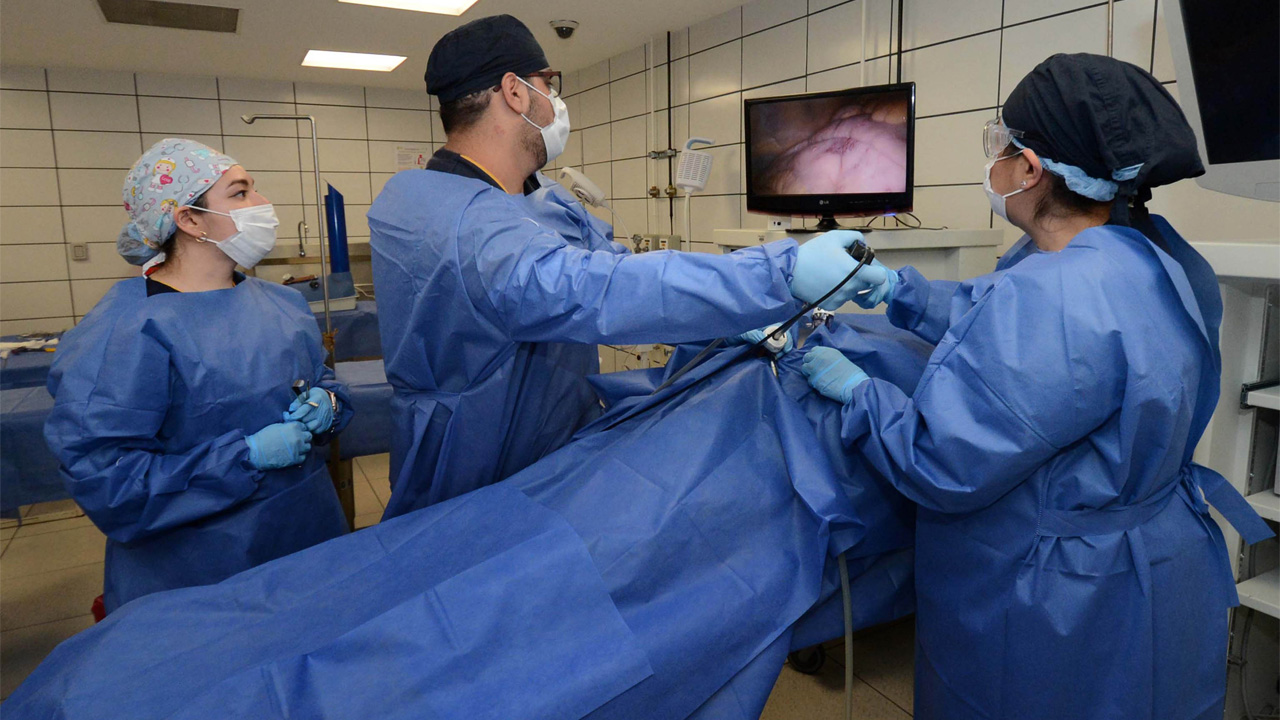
556	134
997	200
255	234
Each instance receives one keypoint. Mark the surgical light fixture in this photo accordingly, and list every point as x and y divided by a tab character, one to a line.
352	61
439	7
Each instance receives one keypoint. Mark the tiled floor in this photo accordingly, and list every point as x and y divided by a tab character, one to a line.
51	571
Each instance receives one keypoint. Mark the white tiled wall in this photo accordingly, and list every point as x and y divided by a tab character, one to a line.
965	56
68	136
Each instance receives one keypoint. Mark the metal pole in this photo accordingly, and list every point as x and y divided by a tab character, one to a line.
862	66
339	469
1111	26
324	251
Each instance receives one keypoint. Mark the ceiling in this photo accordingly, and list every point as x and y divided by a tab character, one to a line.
274	35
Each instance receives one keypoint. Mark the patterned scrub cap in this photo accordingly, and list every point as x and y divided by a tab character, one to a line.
173	173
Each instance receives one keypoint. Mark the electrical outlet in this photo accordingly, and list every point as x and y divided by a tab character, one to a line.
80	252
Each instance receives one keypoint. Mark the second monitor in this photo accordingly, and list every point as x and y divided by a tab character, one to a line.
849	152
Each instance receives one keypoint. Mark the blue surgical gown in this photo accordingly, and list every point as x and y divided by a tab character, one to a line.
490	306
1066	562
153	399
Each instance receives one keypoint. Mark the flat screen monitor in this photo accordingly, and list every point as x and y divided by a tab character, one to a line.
1225	56
843	153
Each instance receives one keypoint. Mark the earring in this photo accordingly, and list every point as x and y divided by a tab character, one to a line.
204	237
1024	183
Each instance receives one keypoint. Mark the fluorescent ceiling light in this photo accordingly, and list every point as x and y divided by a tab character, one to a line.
351	61
440	7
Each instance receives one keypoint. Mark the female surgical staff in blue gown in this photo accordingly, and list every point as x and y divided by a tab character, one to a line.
175	422
1066	562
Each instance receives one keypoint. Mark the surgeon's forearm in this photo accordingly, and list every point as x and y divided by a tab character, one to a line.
922	306
949	449
345	411
132	494
667	297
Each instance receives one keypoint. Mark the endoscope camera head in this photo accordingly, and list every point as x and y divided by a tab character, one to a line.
564	28
862	252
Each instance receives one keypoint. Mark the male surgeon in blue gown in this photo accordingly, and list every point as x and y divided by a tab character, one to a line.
494	285
1067	567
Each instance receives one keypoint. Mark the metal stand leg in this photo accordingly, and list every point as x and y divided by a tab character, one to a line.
341	472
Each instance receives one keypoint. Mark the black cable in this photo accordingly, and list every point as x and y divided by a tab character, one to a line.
860	251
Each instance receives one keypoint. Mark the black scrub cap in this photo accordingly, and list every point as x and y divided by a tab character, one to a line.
1109	118
475	56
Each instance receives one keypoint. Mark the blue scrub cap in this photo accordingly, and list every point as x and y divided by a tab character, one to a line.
173	173
1081	183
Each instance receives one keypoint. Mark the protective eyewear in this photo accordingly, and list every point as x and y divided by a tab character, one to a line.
996	136
552	78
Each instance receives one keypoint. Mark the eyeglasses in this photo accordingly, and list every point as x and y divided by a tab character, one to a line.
996	136
552	78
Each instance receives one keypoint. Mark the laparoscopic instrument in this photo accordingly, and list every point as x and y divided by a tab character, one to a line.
859	251
301	388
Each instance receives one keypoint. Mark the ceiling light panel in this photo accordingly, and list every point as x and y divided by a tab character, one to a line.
439	7
351	61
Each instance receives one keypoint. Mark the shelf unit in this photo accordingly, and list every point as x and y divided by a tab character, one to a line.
1241	443
1267	504
1262	593
1267	398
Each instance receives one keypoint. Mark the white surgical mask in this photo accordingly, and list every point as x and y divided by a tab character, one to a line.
255	235
997	200
556	134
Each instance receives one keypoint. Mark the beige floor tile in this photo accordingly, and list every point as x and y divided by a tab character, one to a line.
46	597
8	533
810	697
52	551
40	528
366	500
55	506
884	657
4	546
356	471
364	521
22	650
381	488
375	466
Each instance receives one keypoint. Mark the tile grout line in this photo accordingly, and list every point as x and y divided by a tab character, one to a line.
50	622
46	572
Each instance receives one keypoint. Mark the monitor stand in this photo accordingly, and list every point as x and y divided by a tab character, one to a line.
827	222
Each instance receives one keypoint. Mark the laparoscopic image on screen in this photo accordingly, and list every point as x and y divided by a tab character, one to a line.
830	145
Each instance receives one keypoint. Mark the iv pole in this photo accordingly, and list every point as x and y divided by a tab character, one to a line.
339	471
324	256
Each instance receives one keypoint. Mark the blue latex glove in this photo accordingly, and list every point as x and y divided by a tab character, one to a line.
821	263
318	417
752	337
832	374
280	445
880	286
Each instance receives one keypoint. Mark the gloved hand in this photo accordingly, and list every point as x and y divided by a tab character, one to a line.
832	374
319	418
821	264
880	280
752	337
280	445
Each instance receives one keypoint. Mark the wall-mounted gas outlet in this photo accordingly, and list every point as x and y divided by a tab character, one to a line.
658	242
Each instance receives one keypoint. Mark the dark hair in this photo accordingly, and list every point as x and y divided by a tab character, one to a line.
1062	202
170	246
464	112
